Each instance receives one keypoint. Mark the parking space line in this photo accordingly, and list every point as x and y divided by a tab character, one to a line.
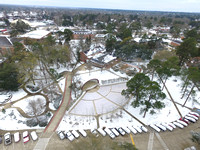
132	139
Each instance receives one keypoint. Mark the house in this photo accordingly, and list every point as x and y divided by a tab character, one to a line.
36	35
82	34
98	57
175	43
6	46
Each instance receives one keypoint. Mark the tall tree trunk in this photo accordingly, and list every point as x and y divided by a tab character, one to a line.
171	97
185	83
196	86
164	83
184	91
189	95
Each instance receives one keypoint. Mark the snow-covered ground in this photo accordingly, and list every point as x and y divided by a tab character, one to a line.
12	120
24	104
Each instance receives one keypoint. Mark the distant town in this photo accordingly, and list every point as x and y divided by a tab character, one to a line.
81	79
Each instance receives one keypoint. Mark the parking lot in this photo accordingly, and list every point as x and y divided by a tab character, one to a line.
19	145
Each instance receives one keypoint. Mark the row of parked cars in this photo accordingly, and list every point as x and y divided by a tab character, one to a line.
191	117
112	132
17	137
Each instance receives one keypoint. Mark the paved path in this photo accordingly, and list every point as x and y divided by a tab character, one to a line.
150	143
161	141
53	124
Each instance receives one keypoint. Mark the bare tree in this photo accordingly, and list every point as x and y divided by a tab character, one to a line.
36	108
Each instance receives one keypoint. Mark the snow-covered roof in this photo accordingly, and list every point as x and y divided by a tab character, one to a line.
37	34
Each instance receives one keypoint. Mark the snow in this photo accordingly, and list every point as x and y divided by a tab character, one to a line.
18	95
36	34
24	104
12	120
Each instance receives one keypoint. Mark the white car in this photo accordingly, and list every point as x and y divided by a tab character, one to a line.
69	135
144	129
110	133
101	131
16	137
126	129
82	132
25	136
167	126
132	129
121	131
190	119
34	136
178	125
115	131
94	132
7	138
182	122
161	127
194	113
75	133
61	135
192	116
172	125
155	127
137	129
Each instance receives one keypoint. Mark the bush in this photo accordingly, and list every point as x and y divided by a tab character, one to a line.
56	102
31	123
3	111
43	123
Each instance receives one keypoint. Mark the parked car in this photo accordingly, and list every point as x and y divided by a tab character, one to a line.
137	129
126	129
75	133
161	127
144	128
192	116
115	131
61	135
101	131
178	125
132	129
172	125
121	131
69	135
182	122
190	119
34	136
1	139
25	136
155	127
167	126
7	138
16	137
110	133
94	132
82	132
194	113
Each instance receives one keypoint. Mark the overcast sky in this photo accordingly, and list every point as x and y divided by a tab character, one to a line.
158	5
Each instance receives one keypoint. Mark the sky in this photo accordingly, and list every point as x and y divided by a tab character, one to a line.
155	5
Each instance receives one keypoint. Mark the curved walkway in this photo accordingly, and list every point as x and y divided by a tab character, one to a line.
53	124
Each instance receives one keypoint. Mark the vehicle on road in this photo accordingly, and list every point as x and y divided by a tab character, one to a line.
34	136
7	138
16	137
25	136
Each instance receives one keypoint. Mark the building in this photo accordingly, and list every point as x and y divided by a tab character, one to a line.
6	46
82	34
36	35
